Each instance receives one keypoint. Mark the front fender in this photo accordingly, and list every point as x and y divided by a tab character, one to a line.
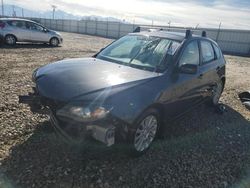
129	104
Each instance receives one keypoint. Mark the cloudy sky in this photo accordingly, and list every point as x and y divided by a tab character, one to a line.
206	13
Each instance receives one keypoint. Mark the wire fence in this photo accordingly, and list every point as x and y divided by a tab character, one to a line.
230	40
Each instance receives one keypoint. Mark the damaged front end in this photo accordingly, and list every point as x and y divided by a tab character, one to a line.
72	122
34	101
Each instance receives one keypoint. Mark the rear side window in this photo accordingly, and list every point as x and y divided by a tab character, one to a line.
16	23
217	51
207	52
190	54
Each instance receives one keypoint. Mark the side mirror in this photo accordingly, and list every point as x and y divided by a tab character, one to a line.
188	68
45	30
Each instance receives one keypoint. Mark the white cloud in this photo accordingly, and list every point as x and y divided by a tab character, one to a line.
186	13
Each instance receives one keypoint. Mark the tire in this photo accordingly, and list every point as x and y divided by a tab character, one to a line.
144	132
10	40
217	91
54	42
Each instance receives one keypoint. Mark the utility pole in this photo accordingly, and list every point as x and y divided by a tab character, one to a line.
53	9
14	12
22	13
218	33
2	8
169	24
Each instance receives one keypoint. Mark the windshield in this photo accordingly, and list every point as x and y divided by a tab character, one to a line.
140	51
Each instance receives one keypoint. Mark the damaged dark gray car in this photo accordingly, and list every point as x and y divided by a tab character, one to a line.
129	89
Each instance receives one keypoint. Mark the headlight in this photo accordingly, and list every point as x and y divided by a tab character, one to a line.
83	114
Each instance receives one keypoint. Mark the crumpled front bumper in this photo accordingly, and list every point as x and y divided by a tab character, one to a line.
104	133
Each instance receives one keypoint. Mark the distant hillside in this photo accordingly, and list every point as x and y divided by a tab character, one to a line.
59	14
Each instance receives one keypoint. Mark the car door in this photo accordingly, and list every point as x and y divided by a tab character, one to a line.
209	67
37	33
18	28
184	88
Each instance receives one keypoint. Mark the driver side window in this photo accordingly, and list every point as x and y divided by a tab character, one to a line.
190	54
35	27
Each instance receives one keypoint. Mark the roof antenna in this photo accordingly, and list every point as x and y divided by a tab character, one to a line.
188	33
204	34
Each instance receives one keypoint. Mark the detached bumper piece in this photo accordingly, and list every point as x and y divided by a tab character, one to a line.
104	133
34	102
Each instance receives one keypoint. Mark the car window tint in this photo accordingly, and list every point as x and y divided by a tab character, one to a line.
217	51
35	27
19	24
190	54
207	52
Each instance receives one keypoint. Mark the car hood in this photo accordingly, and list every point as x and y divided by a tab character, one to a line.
54	32
68	79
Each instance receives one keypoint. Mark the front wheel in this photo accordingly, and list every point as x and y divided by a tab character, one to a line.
217	91
54	42
144	132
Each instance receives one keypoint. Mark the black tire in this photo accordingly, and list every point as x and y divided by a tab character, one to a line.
54	42
135	149
10	40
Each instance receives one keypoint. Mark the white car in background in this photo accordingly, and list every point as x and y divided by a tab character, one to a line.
15	30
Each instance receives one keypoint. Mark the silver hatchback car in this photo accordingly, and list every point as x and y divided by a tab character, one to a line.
14	30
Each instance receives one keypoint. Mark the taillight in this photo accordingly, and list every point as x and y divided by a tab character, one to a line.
2	25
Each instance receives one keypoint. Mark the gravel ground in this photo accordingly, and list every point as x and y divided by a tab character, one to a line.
203	149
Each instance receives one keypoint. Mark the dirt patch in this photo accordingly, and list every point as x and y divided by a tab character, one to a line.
203	149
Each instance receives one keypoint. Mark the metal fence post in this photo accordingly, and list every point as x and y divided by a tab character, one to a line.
96	27
63	25
107	31
85	28
78	31
119	30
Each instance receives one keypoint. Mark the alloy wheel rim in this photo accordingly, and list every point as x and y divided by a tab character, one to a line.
10	40
145	133
217	93
54	42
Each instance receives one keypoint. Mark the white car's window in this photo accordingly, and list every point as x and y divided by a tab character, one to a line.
17	23
35	27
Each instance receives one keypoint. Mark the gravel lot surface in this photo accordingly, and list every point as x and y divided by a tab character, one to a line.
204	149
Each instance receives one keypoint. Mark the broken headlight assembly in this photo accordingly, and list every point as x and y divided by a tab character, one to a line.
83	113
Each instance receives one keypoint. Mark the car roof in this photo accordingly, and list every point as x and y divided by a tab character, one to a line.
178	36
16	19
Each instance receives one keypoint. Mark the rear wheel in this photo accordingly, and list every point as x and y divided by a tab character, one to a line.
144	132
54	42
10	40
